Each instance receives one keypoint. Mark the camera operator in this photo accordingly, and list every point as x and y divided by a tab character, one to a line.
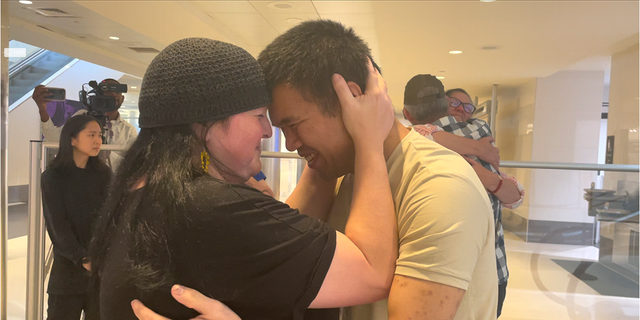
118	131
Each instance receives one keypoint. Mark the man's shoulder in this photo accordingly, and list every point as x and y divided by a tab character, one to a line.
418	149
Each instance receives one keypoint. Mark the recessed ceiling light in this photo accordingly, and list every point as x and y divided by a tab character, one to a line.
114	38
487	0
134	87
455	52
294	20
440	77
25	2
281	5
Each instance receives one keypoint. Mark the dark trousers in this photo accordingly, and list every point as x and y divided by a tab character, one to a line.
70	306
502	293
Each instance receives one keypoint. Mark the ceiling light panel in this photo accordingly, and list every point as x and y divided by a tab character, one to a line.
297	7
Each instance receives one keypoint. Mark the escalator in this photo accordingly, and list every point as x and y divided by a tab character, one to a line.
32	70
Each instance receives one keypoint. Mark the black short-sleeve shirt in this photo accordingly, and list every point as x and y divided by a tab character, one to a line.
257	255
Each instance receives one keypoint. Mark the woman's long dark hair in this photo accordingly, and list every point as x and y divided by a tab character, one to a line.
64	158
164	159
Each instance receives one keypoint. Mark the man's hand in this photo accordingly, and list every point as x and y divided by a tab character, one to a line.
367	117
209	309
488	152
40	95
87	265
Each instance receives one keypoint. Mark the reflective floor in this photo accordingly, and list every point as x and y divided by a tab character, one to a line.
538	287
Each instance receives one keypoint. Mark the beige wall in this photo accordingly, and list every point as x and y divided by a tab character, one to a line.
623	106
623	116
514	133
567	123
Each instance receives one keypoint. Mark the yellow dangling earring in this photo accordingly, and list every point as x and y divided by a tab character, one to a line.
204	157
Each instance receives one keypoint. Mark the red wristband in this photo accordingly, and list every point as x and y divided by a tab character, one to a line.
499	186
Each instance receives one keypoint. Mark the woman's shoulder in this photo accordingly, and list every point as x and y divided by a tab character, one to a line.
207	188
51	174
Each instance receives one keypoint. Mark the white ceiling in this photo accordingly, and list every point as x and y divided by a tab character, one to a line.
534	38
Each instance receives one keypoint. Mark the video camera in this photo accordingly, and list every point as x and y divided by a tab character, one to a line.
97	103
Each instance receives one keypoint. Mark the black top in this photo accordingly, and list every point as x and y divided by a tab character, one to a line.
255	254
70	200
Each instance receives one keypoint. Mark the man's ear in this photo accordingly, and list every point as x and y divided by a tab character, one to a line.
355	88
407	115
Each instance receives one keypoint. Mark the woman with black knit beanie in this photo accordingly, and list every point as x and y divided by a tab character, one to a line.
179	210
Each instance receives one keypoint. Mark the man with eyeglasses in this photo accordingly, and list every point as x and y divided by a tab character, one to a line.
431	110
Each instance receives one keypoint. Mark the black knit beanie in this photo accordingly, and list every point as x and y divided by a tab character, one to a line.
197	80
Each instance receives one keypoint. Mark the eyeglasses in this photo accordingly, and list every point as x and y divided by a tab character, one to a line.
467	107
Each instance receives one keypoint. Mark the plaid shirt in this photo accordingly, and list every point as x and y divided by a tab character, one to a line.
477	129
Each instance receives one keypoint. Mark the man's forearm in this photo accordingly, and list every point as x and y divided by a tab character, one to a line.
313	195
508	191
458	144
44	116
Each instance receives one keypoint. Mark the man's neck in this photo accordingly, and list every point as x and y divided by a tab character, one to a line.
113	115
398	132
434	119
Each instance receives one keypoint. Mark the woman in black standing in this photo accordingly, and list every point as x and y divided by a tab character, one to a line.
74	186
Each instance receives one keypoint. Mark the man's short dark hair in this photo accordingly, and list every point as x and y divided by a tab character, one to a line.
307	56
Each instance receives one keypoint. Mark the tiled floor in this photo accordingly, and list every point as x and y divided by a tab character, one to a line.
538	288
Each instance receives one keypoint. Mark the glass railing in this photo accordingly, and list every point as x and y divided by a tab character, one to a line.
572	246
23	51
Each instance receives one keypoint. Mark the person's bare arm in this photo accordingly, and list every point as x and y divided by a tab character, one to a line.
482	148
412	298
40	95
508	192
313	195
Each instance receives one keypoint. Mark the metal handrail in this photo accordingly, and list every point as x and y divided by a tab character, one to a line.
569	166
516	164
36	238
503	164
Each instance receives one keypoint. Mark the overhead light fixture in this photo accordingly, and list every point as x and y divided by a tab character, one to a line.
487	0
281	5
440	77
134	87
455	52
114	38
489	48
25	2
